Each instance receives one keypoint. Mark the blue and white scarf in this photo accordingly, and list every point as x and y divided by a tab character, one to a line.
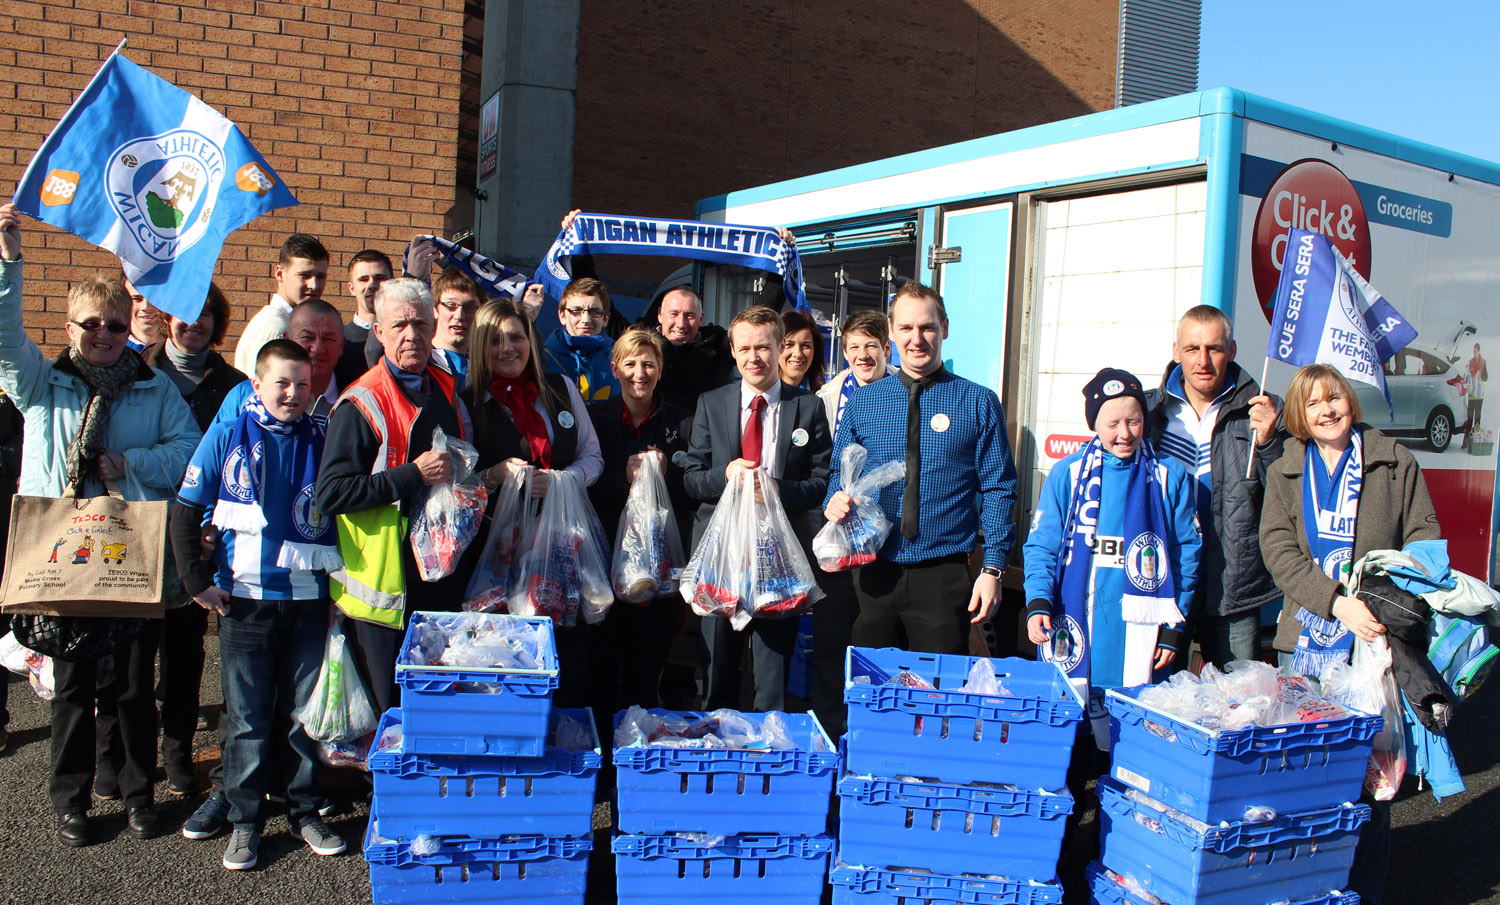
1330	504
1150	598
758	247
310	538
846	389
499	281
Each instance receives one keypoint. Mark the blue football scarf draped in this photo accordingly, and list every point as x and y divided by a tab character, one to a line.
1149	600
757	247
493	277
310	539
846	389
1330	505
455	363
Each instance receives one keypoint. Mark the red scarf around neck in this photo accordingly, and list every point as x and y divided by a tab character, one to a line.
519	397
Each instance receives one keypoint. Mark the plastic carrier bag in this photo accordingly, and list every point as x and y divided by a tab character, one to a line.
856	539
449	515
489	586
749	563
338	710
23	661
648	549
563	571
1367	684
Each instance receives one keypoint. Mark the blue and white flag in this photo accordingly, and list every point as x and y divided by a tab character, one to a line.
492	276
1326	312
153	174
720	243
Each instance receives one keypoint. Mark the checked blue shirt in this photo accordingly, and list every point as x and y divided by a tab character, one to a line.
968	476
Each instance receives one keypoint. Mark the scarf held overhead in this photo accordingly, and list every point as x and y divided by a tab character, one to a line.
492	276
1149	600
758	247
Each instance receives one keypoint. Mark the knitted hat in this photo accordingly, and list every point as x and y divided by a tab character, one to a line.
1110	383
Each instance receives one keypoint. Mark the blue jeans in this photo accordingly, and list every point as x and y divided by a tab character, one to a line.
270	646
1224	639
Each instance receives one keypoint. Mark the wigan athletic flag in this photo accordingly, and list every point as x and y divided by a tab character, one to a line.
150	172
1326	312
758	247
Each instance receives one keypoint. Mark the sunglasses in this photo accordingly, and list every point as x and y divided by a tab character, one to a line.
114	327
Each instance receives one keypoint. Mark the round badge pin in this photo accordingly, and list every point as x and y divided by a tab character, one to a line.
565	419
799	437
679	458
940	422
1113	387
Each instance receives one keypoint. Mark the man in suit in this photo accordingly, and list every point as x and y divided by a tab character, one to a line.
781	433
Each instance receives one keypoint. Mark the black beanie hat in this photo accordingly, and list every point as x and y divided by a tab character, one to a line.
1110	383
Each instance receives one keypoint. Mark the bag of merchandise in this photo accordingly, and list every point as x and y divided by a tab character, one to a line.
23	661
856	539
563	570
1367	684
449	515
648	550
338	710
489	586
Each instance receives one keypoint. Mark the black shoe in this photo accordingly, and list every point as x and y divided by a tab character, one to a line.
142	822
74	830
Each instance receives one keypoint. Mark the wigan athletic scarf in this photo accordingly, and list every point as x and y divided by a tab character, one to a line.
1150	597
1330	504
758	247
495	278
846	389
310	538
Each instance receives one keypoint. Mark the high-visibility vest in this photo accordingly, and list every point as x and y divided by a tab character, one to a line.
372	584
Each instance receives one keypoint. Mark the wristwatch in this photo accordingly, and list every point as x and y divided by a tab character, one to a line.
991	571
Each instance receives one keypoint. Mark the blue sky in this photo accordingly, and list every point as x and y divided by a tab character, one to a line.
1425	71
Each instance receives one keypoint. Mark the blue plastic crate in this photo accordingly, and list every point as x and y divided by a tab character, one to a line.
1109	892
1022	738
728	791
1186	862
1214	776
736	870
879	886
506	869
949	828
474	711
551	795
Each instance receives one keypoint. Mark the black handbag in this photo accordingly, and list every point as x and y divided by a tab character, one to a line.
74	639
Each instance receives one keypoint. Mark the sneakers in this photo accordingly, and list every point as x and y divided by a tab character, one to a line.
208	820
320	838
243	848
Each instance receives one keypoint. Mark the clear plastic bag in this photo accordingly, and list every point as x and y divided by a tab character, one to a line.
648	549
1367	684
512	520
563	571
338	710
749	563
23	661
854	540
449	515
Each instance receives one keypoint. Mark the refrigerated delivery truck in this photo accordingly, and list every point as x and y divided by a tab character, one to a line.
1067	247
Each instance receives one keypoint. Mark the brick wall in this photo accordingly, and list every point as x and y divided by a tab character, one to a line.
353	102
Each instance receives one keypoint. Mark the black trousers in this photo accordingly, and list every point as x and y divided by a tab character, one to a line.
833	625
928	601
73	730
628	652
178	685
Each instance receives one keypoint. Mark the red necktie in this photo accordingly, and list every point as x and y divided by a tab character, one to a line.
750	442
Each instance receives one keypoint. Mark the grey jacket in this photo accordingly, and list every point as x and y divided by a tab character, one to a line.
1394	510
1232	577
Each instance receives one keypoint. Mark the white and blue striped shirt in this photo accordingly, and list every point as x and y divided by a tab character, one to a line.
1189	436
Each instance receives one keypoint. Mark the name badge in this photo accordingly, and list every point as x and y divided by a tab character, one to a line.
940	422
799	437
565	419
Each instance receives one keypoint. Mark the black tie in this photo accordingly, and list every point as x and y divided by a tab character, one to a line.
911	497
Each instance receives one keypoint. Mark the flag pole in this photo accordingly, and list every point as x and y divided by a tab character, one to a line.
1250	467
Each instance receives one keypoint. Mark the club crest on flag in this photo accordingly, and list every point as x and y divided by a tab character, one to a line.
160	188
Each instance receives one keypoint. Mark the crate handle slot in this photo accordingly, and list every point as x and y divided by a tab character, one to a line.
916	726
520	871
765	784
437	875
943	733
995	826
527	790
442	787
495	870
707	865
1263	759
468	787
684	784
1004	732
736	868
968	823
937	820
502	790
761	865
739	788
910	815
463	873
708	784
978	729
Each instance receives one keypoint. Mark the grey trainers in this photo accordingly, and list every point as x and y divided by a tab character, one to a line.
207	820
320	838
243	848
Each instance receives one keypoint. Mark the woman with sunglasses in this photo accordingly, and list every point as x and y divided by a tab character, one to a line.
94	414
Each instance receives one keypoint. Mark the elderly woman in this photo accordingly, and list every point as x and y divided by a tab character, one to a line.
1339	490
96	413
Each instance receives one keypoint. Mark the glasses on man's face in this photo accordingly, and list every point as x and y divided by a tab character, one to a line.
590	313
454	308
89	326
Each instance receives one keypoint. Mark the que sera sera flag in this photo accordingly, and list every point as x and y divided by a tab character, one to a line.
153	174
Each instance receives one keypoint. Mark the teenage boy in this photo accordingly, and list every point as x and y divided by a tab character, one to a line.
268	583
301	273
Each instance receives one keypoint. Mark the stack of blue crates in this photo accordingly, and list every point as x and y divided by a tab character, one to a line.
923	814
800	672
721	825
1184	810
502	815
